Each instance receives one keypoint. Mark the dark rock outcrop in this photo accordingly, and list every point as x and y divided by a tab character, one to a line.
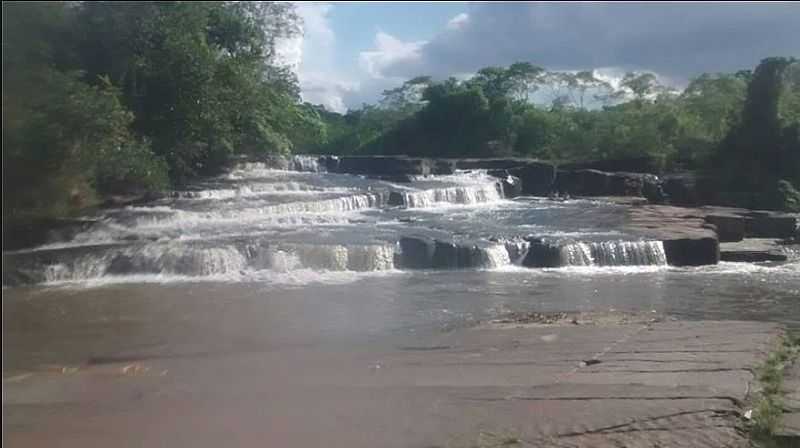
417	252
688	239
384	165
330	163
688	189
755	250
22	234
601	183
489	164
542	254
449	255
730	228
733	224
692	251
511	185
750	256
763	224
394	178
396	199
443	166
631	164
537	177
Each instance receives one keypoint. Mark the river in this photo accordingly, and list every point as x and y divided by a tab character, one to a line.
259	257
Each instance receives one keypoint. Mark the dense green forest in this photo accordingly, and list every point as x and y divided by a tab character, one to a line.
104	98
742	129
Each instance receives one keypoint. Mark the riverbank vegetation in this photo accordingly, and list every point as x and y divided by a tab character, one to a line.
108	98
739	128
768	405
104	98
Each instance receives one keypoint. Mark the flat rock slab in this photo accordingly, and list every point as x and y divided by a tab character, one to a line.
575	381
755	250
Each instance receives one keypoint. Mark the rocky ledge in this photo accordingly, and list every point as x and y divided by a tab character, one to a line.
692	236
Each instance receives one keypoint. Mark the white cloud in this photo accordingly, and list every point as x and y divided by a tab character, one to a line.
311	56
321	88
389	51
458	21
676	40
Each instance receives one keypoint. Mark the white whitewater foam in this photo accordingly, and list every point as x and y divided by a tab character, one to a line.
495	256
167	217
614	253
462	195
178	259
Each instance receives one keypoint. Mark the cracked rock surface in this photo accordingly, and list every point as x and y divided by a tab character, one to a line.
631	383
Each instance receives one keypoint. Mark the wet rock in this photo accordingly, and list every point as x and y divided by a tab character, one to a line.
697	251
394	178
121	264
21	234
537	177
331	163
764	224
396	199
733	222
750	256
542	254
629	164
446	255
443	166
729	228
688	239
511	185
384	165
754	250
489	164
601	183
417	252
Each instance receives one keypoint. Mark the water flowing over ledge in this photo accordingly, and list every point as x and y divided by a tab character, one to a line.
259	222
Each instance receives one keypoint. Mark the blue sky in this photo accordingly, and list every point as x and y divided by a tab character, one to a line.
351	51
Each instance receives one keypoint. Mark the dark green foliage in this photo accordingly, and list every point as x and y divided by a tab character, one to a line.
741	128
763	147
111	98
59	132
198	76
102	97
788	198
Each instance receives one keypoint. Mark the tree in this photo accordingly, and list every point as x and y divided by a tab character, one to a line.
62	138
641	85
200	78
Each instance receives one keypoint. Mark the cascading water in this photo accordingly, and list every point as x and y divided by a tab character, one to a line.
177	259
257	219
462	195
306	163
495	256
614	253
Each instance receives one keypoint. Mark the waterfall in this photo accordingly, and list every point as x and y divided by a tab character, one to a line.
577	254
613	253
306	163
287	212
494	256
462	195
193	261
255	189
517	250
